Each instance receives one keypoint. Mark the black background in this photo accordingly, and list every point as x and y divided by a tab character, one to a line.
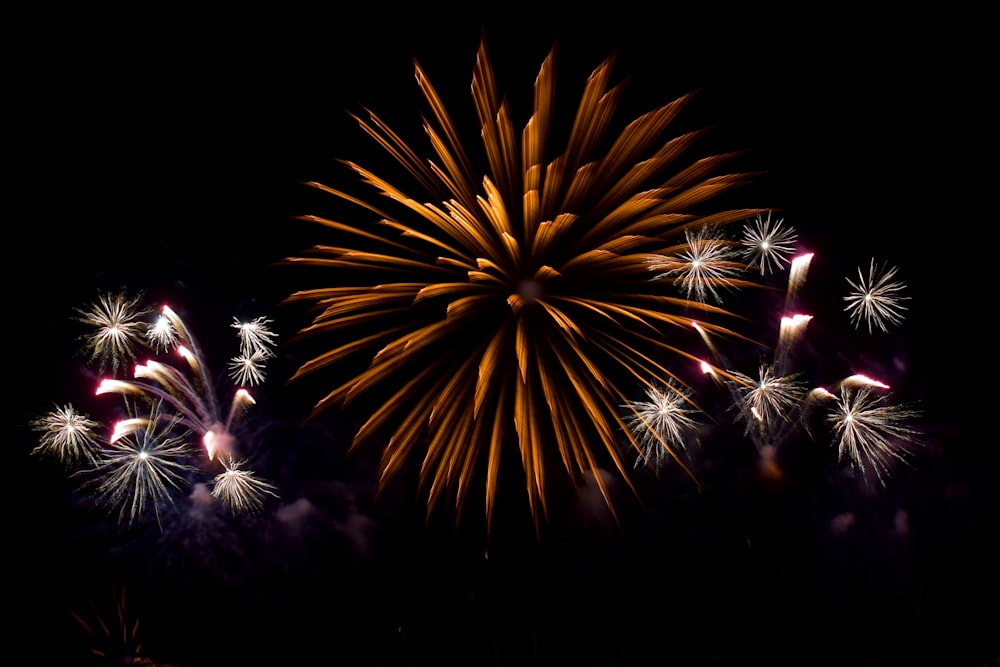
165	153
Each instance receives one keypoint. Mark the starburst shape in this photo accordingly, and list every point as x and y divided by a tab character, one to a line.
248	369
876	298
67	435
869	431
161	335
256	338
495	315
703	268
768	400
663	425
240	490
119	329
144	461
768	245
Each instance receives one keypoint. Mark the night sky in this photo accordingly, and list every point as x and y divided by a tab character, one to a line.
169	158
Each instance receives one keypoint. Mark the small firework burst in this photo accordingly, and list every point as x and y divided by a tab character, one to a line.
870	432
248	369
68	436
145	458
161	336
255	336
703	267
876	298
119	329
768	402
241	490
663	425
767	244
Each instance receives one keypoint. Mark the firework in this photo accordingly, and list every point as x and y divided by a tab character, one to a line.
256	338
248	369
774	406
876	298
768	403
870	432
161	336
241	490
68	436
119	329
768	245
502	310
705	265
145	458
191	396
148	456
663	425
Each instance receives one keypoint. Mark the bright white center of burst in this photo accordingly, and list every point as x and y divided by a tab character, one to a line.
696	263
143	455
868	297
530	289
765	245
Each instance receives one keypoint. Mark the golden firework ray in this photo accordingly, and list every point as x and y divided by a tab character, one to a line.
513	310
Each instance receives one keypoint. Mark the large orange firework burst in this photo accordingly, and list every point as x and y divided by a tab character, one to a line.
512	308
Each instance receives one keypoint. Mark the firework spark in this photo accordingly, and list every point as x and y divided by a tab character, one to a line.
876	298
768	245
145	458
119	329
503	315
161	336
248	369
768	403
241	490
663	425
67	435
255	337
705	265
869	431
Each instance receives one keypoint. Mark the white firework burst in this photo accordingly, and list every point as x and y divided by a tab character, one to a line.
768	401
241	490
255	337
767	244
119	329
144	461
162	336
876	298
868	431
248	369
68	436
662	426
702	267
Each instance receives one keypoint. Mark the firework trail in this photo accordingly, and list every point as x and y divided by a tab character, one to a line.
148	455
510	309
